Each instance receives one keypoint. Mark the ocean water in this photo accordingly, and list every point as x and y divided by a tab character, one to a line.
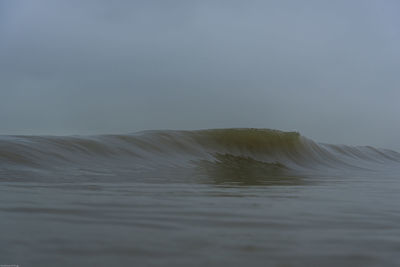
224	197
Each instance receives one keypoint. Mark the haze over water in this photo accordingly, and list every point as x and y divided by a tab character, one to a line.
85	181
327	69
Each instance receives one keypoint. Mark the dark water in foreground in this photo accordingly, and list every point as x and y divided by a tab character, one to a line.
216	198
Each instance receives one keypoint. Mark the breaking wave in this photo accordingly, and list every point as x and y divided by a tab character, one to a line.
238	155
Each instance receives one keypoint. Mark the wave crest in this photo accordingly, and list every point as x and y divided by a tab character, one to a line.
250	152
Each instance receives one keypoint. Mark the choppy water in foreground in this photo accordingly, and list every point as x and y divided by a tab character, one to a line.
193	198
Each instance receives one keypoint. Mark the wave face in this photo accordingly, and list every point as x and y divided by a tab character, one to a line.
242	156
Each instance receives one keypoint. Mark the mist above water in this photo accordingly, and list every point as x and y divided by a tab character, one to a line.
327	69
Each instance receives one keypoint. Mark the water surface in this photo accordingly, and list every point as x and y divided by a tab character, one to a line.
192	198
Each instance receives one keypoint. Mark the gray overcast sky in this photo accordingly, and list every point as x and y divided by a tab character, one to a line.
329	69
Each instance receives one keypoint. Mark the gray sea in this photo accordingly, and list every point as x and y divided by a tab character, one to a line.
222	197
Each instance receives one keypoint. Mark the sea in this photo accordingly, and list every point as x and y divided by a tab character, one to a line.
218	197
